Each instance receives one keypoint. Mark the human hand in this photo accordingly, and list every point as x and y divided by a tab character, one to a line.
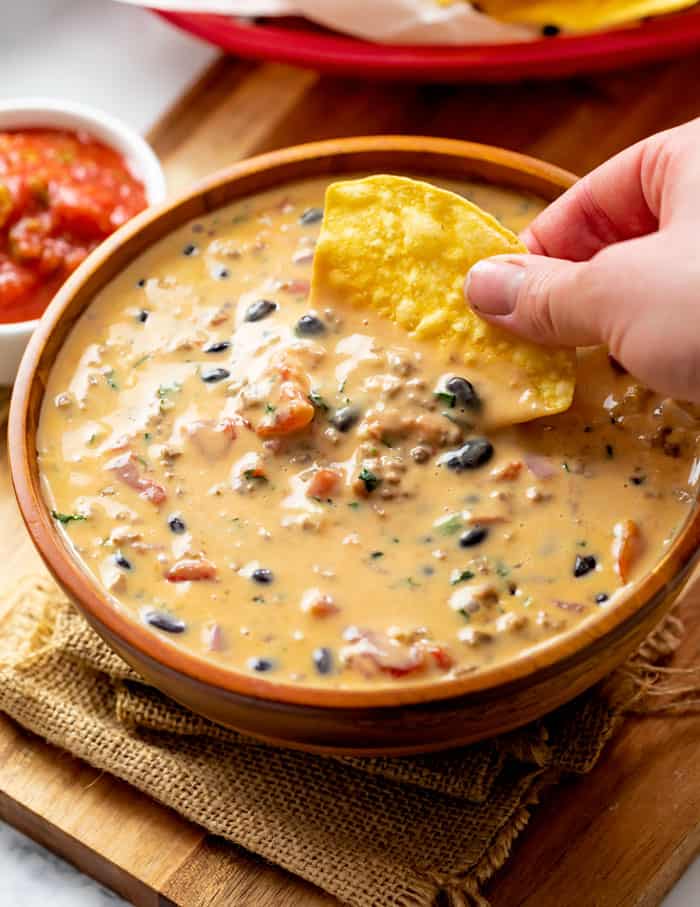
622	265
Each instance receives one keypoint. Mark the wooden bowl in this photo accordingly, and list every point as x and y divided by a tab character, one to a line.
394	721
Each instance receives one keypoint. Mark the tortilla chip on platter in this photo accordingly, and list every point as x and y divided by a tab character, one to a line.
577	15
441	22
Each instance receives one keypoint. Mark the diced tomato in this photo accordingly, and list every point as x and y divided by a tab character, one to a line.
126	468
441	657
626	547
292	409
323	484
373	652
191	569
82	209
60	194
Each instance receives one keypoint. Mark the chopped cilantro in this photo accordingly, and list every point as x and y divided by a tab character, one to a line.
354	504
142	360
269	408
141	460
502	569
67	517
147	436
465	614
565	466
450	525
461	576
370	480
318	401
447	398
376	554
110	379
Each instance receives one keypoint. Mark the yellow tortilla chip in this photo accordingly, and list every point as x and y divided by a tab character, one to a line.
579	15
403	247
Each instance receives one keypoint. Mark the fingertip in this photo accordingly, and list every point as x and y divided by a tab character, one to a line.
534	246
492	286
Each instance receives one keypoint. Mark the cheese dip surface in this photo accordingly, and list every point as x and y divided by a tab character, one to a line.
314	496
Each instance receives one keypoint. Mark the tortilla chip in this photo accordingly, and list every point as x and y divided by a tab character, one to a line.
403	247
579	15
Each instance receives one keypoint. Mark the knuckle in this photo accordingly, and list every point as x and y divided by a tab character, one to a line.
596	220
536	303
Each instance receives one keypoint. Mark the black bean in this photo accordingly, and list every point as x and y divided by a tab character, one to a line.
261	664
309	326
142	316
176	524
122	562
464	392
323	660
212	375
260	309
262	575
163	621
474	536
189	249
345	417
550	31
219	346
600	598
476	452
584	564
311	216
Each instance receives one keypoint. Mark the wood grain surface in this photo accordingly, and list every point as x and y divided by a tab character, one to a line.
619	837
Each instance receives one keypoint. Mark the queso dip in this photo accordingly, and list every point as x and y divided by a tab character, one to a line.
313	496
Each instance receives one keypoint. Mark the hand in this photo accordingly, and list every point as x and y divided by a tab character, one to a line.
622	265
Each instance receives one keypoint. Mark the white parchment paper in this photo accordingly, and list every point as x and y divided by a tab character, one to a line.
383	21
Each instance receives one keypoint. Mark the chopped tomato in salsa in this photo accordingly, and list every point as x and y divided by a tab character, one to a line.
61	193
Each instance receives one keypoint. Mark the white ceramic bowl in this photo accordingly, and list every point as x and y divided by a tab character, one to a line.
27	113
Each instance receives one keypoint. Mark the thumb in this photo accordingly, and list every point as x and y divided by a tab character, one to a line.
546	300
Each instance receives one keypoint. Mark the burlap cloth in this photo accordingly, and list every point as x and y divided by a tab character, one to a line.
373	832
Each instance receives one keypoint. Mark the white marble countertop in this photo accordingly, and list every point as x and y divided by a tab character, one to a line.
127	62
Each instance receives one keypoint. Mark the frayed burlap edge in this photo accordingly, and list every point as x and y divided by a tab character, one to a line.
641	686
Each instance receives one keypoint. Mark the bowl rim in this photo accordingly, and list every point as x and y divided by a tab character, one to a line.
530	667
47	112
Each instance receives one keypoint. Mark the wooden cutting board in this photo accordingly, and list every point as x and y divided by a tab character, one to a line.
619	837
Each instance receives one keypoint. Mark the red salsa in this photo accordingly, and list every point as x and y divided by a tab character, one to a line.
61	193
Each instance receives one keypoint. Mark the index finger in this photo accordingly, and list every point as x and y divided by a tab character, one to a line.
612	203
